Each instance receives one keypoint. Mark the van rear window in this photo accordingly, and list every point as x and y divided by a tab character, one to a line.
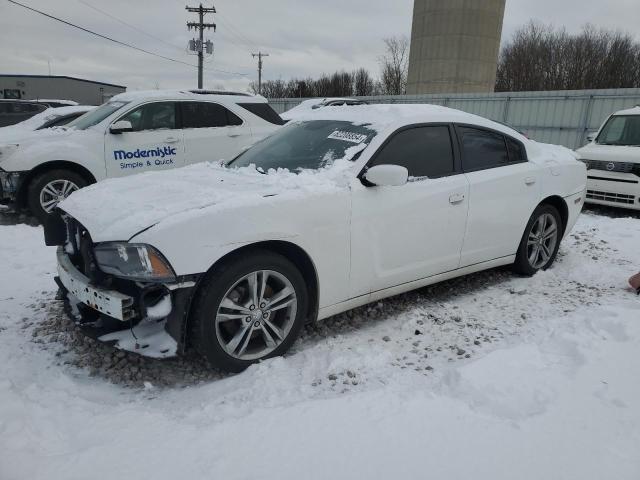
264	111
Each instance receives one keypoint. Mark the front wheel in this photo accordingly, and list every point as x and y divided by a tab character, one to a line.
249	309
540	242
50	188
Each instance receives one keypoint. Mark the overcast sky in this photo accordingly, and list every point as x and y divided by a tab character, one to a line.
303	37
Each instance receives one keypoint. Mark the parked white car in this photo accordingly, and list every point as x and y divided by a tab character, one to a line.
613	161
51	117
348	207
303	109
132	133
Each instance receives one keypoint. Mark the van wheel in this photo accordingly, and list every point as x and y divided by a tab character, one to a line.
250	309
50	188
540	242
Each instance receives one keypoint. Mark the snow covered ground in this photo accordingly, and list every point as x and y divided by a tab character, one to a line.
488	377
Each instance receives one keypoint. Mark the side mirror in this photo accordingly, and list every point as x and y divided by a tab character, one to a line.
121	126
591	136
387	175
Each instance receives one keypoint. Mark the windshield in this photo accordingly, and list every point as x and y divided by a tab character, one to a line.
308	145
621	130
96	116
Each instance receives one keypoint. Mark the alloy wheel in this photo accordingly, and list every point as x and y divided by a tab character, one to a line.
54	192
256	315
542	241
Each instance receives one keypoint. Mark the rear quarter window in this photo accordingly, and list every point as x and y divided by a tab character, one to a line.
264	111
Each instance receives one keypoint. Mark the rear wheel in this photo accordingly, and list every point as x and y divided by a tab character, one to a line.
250	309
540	242
50	188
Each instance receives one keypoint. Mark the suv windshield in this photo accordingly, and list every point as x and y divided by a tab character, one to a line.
621	130
96	116
308	145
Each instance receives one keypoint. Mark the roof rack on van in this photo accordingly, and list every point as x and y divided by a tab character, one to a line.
219	92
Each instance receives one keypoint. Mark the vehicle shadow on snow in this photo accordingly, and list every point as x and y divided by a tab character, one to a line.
11	217
57	333
610	212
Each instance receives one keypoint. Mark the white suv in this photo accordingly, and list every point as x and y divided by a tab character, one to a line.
132	133
613	161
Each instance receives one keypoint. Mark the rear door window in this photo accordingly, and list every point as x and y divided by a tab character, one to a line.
207	115
482	149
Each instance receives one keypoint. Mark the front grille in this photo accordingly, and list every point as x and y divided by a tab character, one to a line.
622	167
611	197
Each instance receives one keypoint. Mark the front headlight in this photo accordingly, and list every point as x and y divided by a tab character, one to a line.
133	261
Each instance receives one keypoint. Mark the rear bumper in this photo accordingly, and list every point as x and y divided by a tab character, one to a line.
613	189
574	203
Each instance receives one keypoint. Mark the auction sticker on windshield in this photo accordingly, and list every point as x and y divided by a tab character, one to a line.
348	136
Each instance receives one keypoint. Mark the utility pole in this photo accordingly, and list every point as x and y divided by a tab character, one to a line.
259	55
199	45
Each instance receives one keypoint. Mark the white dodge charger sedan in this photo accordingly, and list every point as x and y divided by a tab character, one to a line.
343	208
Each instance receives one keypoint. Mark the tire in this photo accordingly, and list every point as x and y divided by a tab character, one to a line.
537	251
42	189
232	336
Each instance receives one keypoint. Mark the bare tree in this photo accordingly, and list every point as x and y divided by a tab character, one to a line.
394	65
363	84
540	57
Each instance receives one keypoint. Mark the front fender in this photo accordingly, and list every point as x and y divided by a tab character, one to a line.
195	240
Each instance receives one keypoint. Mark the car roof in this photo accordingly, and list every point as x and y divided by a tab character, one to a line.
57	100
217	95
383	116
18	100
630	111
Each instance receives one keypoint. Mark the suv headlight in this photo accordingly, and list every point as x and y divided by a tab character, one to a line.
133	261
7	149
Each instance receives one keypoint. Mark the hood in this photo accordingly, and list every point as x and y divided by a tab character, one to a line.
609	153
118	209
23	136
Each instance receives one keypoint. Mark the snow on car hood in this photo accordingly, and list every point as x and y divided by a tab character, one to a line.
610	153
118	209
25	129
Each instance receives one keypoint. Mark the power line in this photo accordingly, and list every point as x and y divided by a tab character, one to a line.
137	29
118	42
236	33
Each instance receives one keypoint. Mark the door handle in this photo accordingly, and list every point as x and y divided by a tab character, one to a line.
456	198
530	180
233	135
172	139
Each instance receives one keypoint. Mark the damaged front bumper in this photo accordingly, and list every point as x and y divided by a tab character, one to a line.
148	319
10	183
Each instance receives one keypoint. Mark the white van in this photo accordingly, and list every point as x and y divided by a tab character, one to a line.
613	161
132	133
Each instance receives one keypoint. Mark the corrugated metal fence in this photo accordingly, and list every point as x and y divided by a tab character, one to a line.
560	117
